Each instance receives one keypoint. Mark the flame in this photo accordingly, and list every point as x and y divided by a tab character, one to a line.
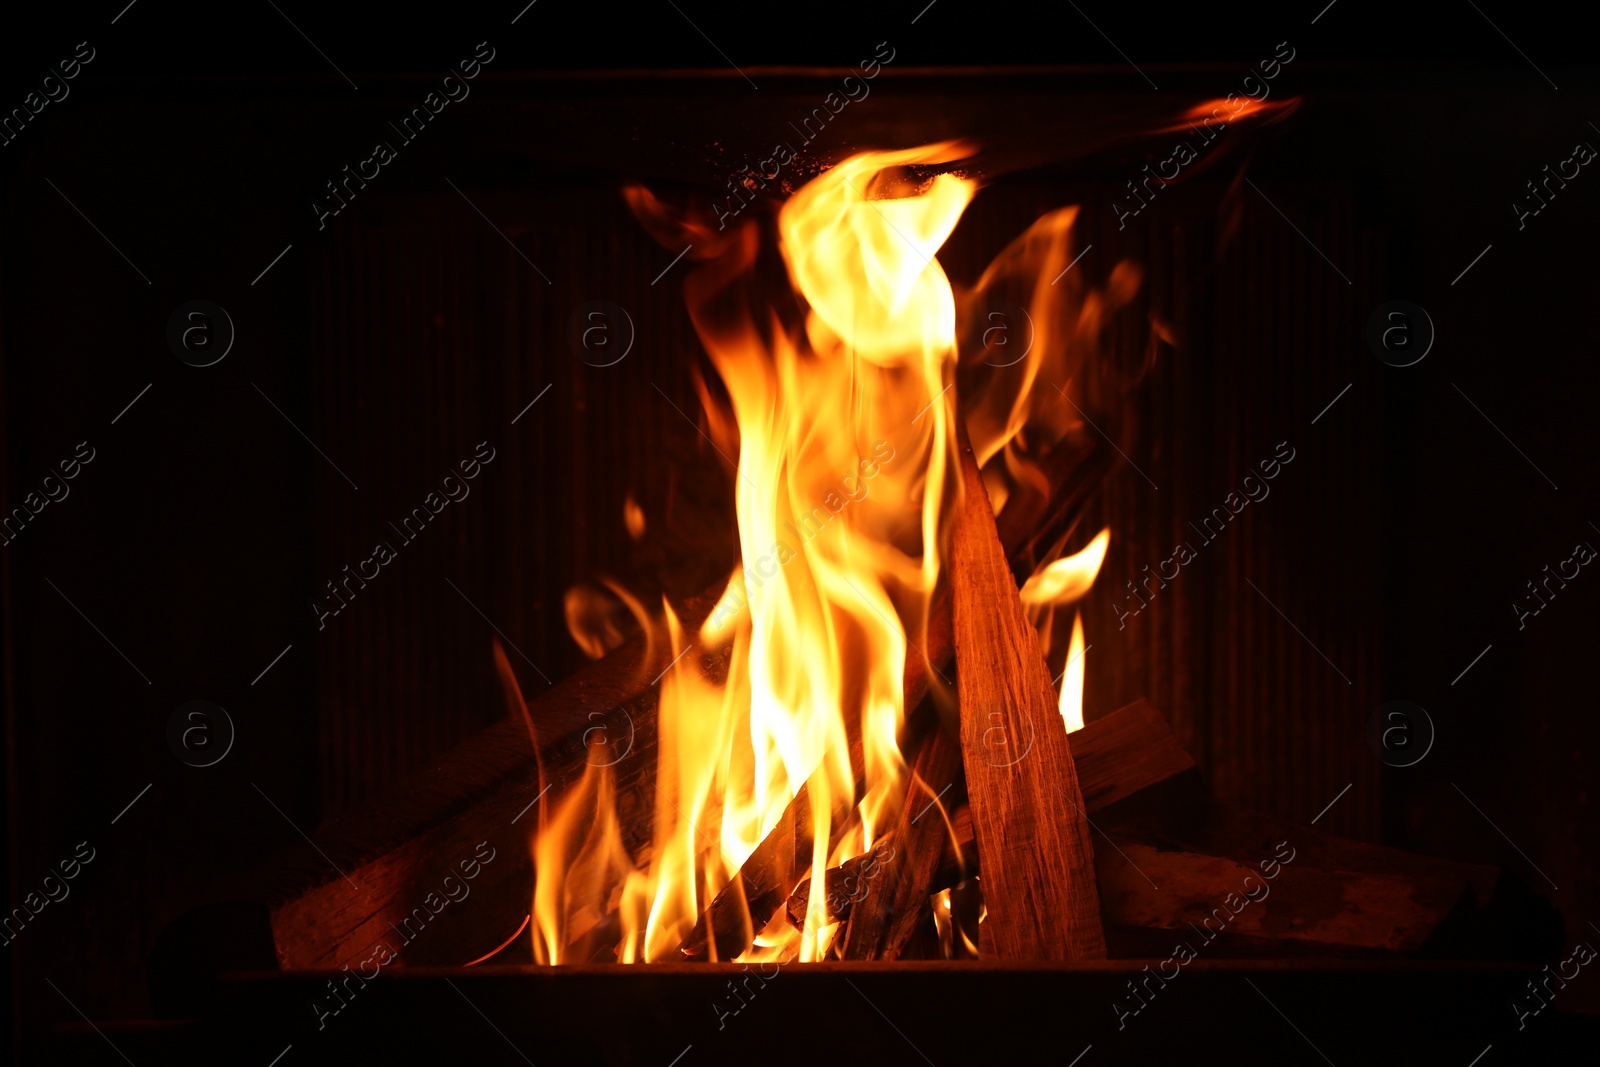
592	620
1057	584
633	517
1020	408
1068	578
845	442
1218	113
599	619
1071	702
840	406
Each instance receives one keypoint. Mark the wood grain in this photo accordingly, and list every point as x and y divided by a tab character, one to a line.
1027	808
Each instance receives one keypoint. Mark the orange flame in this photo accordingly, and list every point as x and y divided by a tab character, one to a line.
1055	585
1068	578
842	420
1071	701
845	442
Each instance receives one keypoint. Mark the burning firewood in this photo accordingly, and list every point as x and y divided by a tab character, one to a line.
896	901
488	789
491	787
762	885
805	694
763	882
1248	885
1027	809
1176	867
1126	754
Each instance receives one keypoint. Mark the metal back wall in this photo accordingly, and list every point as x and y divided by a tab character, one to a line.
1293	681
1264	645
433	331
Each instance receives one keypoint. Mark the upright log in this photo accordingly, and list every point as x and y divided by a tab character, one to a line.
1022	786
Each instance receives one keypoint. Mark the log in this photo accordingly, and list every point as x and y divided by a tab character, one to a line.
846	883
896	902
376	876
763	883
1128	756
1187	876
1027	808
1031	522
1332	898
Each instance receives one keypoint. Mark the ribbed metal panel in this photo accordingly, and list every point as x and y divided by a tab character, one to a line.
431	334
1267	334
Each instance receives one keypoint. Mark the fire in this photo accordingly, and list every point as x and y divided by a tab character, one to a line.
1058	584
1068	578
845	442
840	410
1071	702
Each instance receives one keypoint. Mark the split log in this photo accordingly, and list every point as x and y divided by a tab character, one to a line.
1260	887
1027	809
754	895
844	884
847	884
896	901
1128	762
377	876
1315	895
1248	887
762	884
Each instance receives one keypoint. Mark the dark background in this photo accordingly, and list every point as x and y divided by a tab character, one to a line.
409	330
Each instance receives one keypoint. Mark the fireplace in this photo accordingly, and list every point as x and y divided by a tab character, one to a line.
500	425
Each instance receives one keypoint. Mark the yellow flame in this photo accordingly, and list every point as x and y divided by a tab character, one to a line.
1068	578
1071	701
845	444
842	421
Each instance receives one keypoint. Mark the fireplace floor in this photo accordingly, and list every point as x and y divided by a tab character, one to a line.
940	1013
